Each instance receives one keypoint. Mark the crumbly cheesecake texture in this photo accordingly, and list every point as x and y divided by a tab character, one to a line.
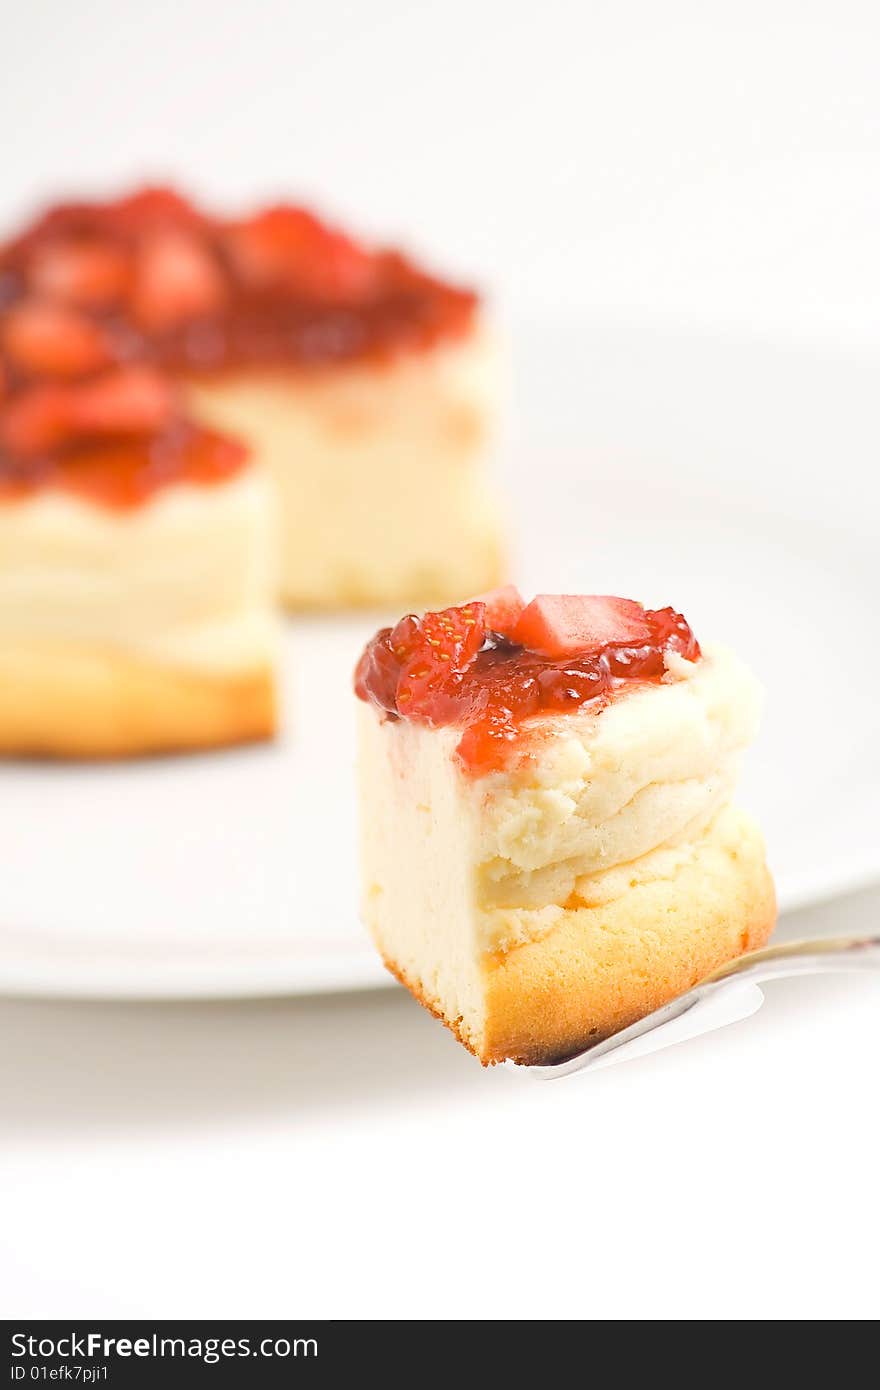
361	383
588	867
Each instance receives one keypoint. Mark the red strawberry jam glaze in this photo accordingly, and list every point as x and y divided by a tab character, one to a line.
454	668
104	305
115	438
196	293
123	473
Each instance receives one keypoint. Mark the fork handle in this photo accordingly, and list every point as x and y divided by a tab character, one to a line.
826	955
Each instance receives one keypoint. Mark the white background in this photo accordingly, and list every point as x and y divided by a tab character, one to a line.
713	164
712	160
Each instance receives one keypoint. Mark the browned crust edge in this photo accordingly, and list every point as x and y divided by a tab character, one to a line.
545	999
78	703
534	1018
434	1007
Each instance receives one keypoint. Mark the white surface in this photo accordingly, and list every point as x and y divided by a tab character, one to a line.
344	1157
738	484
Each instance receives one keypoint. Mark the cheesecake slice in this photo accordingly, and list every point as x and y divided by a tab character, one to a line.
137	572
363	385
549	845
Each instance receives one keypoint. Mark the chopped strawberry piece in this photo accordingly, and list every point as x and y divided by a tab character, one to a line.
435	651
156	207
565	625
128	401
503	607
36	420
91	273
673	633
131	400
377	673
288	248
416	667
52	340
175	279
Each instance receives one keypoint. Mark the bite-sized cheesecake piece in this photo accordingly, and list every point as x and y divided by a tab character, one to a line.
136	573
549	846
363	384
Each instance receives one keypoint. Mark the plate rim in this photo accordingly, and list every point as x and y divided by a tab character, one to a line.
282	976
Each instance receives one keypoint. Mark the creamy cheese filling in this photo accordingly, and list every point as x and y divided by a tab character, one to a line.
187	578
596	790
380	471
652	768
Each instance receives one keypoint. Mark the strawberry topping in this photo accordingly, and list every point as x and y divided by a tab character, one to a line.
503	608
150	209
46	339
36	421
287	248
419	667
127	401
89	272
475	666
279	288
563	625
176	279
131	400
151	284
125	471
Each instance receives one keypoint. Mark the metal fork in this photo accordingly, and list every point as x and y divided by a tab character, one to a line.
831	955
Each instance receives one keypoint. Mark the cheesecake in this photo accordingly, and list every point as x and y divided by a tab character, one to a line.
137	570
363	386
550	845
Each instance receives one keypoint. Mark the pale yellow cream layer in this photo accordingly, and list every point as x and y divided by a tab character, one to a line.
188	578
381	473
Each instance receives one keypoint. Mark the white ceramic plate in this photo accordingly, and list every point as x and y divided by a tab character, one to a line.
733	481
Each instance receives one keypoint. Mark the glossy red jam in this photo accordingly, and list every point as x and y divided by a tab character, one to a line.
126	472
93	293
198	293
452	669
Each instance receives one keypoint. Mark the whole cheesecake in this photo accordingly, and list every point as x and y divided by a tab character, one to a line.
361	384
550	847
